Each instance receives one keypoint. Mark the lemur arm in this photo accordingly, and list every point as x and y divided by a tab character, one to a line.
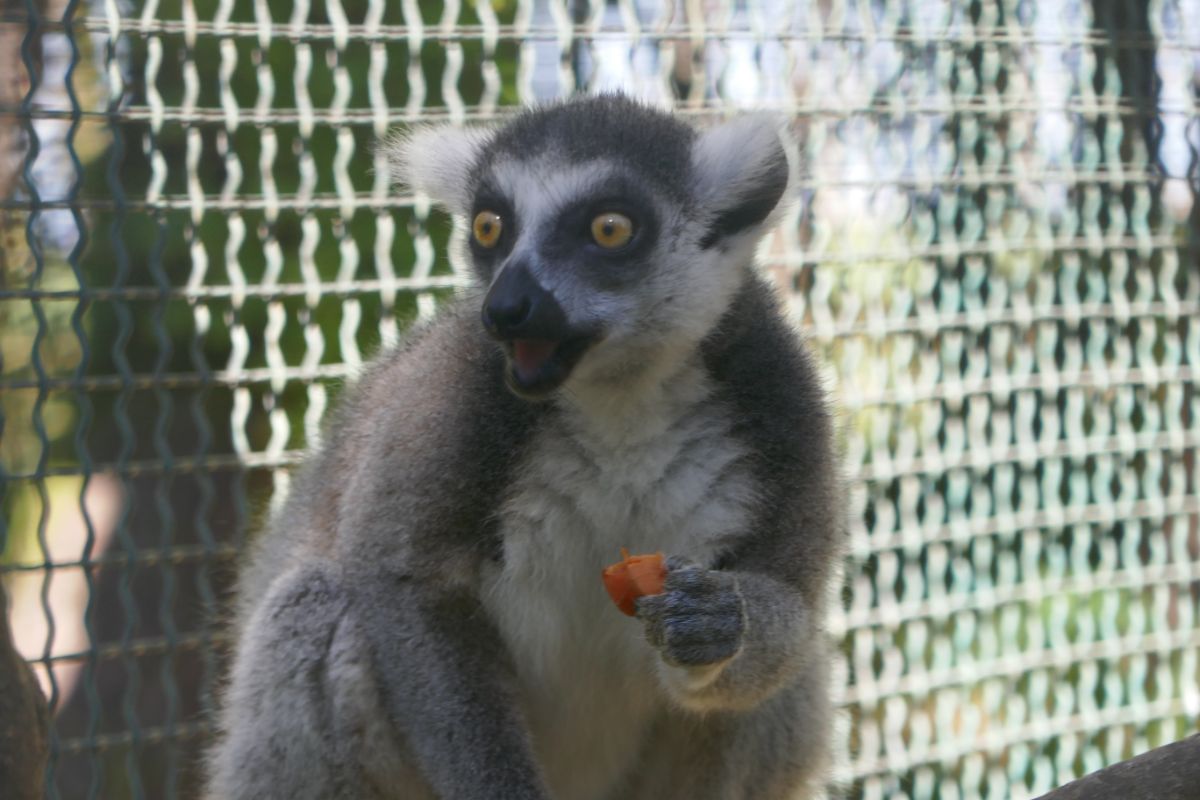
732	637
448	689
411	527
347	681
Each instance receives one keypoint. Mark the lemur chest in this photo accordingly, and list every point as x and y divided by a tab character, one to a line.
588	677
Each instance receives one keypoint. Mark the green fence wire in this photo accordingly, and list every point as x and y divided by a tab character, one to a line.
996	253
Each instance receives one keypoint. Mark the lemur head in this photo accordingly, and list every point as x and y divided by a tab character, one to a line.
610	236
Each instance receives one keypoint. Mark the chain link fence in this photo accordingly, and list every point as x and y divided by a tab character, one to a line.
996	254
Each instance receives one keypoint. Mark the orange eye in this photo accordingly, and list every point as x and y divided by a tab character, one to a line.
486	228
612	230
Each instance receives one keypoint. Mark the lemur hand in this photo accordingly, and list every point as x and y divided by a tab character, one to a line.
699	618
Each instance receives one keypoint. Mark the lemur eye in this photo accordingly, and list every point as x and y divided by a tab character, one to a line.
486	228
612	230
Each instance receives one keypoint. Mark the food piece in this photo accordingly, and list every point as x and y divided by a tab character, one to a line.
633	577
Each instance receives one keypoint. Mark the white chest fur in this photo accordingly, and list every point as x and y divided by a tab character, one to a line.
673	481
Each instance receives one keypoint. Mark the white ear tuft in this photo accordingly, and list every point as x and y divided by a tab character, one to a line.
739	150
437	160
741	171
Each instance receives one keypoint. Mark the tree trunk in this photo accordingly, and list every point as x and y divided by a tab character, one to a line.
1128	51
1170	772
24	720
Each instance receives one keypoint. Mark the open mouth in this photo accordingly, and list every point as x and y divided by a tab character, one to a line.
539	366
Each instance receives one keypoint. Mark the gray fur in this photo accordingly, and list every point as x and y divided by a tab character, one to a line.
425	617
607	127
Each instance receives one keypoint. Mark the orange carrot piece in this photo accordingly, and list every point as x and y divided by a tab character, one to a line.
633	577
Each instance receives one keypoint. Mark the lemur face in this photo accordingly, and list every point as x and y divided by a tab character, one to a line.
574	213
610	236
578	260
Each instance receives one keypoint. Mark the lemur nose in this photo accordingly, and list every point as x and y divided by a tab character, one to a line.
517	307
507	313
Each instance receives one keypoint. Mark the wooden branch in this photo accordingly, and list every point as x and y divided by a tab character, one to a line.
1170	772
24	720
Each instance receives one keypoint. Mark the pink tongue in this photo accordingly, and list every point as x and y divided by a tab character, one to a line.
530	355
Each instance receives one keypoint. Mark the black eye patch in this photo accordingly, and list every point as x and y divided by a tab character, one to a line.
571	232
487	199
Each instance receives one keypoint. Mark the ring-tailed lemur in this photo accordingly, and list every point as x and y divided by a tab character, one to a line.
425	617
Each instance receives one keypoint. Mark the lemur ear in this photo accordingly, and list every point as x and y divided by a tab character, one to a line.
740	171
437	160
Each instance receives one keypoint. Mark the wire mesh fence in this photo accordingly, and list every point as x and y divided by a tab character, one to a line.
996	254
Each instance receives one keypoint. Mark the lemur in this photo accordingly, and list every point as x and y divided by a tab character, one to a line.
425	618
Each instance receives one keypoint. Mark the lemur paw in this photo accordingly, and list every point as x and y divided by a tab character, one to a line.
699	618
